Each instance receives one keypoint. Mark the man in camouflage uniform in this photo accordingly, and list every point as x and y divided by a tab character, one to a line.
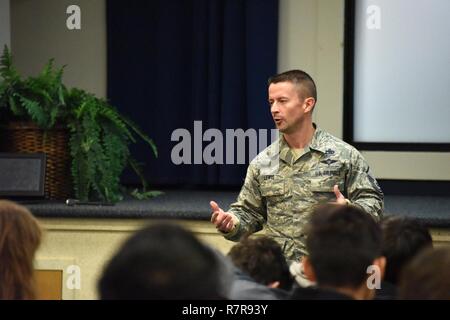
306	166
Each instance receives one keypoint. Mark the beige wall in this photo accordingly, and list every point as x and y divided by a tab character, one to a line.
90	243
5	26
39	32
311	39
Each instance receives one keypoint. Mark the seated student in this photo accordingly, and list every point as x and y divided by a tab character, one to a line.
342	242
162	261
427	276
20	236
402	239
262	259
237	285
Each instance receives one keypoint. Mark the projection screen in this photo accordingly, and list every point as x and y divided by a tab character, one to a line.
401	71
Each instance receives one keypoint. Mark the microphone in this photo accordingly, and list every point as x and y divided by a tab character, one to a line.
76	202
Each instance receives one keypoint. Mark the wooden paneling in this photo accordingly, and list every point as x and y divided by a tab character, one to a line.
49	284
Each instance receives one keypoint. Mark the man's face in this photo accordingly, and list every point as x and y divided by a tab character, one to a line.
286	106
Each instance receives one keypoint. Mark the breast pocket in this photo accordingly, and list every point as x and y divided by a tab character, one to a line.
275	192
322	188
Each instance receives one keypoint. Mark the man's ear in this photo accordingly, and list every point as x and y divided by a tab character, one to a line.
381	264
308	104
308	269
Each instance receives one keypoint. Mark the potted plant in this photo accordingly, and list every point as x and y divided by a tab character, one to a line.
98	136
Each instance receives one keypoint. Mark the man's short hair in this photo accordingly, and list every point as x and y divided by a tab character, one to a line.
342	242
162	261
403	238
299	78
262	258
426	277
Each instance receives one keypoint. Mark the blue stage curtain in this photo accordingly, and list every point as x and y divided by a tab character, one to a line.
171	62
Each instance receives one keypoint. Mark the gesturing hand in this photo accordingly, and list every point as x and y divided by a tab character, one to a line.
340	199
221	219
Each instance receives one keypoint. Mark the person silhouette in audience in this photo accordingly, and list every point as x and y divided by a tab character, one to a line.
402	239
343	241
262	259
20	237
426	276
162	261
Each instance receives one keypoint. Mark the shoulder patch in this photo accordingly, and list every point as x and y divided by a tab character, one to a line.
374	183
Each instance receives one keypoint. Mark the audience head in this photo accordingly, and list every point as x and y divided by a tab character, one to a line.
427	276
162	261
403	238
342	242
20	236
263	260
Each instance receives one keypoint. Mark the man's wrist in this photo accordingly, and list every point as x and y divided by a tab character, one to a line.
233	230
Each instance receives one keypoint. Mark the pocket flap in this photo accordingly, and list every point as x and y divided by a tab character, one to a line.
273	188
322	185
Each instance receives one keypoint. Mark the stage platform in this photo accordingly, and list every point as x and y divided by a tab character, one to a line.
194	205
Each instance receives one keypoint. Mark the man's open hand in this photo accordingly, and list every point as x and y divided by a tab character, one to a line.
221	219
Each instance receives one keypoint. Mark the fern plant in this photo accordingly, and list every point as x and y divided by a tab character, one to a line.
99	135
41	98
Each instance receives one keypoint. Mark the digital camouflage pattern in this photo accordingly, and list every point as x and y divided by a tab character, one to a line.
281	189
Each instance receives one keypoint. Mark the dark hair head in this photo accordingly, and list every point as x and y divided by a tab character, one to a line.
262	259
403	238
162	261
306	85
342	242
20	237
427	276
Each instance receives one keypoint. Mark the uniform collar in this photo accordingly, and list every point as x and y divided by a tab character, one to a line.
317	139
285	151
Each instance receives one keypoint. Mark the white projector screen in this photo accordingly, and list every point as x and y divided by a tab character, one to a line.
401	91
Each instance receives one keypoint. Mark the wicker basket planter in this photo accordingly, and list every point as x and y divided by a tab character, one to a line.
25	137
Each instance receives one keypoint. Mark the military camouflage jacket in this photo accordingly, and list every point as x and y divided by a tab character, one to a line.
281	189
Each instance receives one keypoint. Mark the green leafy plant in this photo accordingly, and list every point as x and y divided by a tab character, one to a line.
99	135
